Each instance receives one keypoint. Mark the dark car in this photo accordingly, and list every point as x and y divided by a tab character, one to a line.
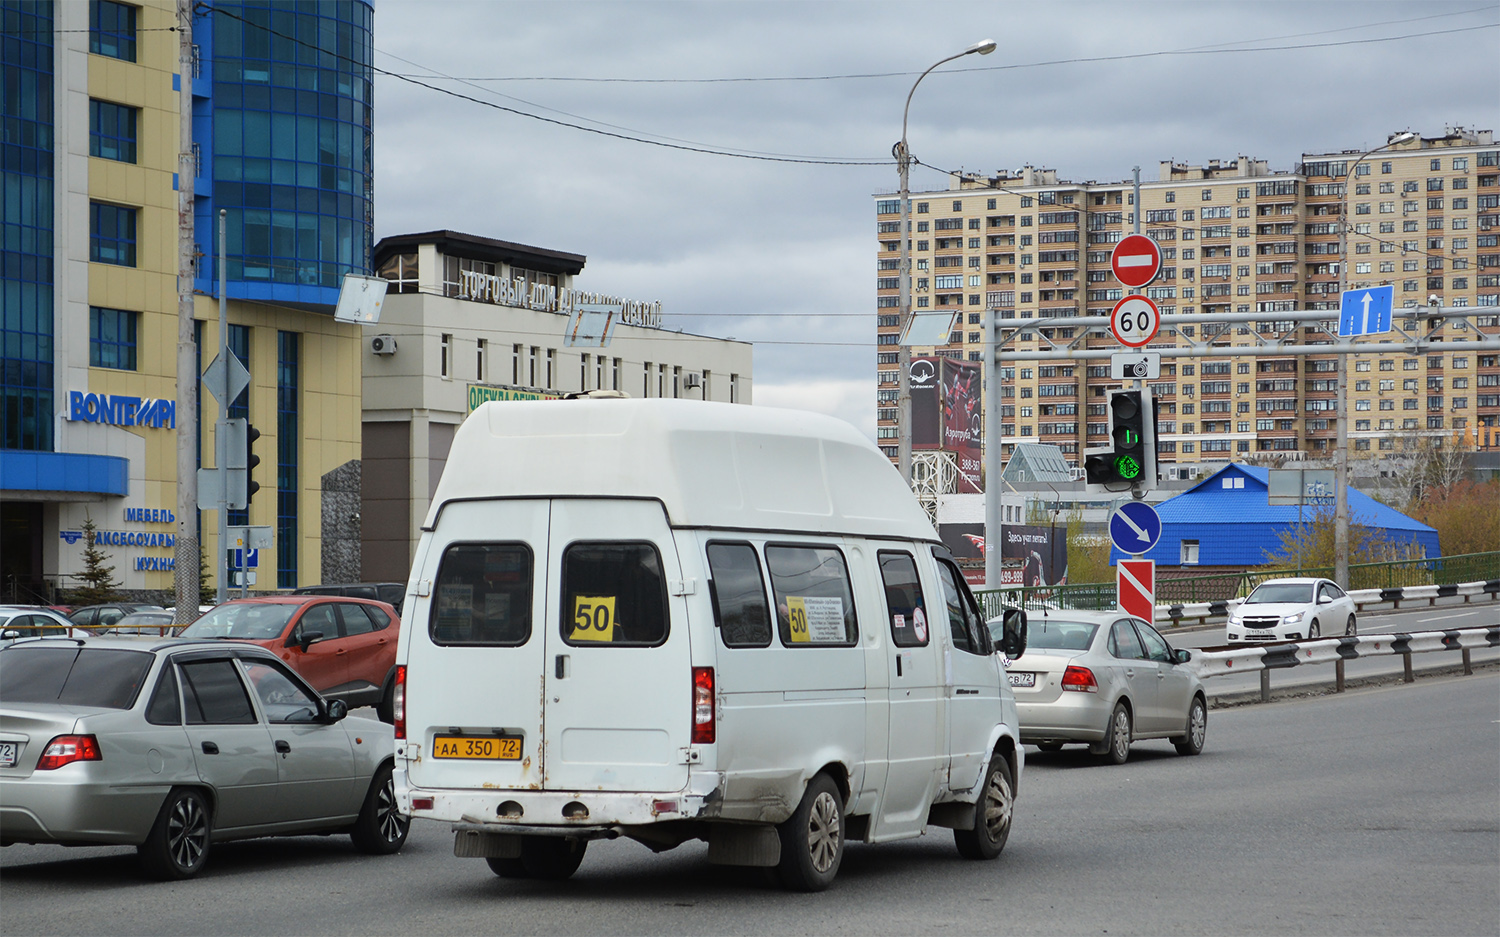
392	593
99	616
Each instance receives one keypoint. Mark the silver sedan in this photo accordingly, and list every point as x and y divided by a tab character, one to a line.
1104	679
175	745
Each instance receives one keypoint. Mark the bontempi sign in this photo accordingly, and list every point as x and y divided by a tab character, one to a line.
121	410
515	291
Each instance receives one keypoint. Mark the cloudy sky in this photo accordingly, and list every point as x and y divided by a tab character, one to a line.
782	253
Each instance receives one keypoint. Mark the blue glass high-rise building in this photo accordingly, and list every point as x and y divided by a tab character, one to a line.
283	129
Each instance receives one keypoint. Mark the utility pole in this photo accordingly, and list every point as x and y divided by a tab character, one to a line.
1341	415
186	555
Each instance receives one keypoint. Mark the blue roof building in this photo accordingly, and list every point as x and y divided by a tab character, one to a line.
1225	520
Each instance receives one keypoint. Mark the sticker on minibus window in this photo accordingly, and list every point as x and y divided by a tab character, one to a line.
593	618
816	620
455	610
919	625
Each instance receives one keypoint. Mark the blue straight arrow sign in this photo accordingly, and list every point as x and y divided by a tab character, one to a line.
1366	311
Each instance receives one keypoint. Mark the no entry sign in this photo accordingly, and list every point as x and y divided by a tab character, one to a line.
1136	260
1135	582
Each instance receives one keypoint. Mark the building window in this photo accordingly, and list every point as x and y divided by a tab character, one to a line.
288	365
239	346
615	374
111	234
551	368
112	29
1189	553
112	131
479	361
112	335
445	353
734	388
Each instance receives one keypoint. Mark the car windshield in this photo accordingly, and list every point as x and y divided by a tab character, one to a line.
72	675
1295	592
254	621
1059	634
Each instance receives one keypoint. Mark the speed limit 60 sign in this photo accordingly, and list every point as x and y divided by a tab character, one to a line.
1135	321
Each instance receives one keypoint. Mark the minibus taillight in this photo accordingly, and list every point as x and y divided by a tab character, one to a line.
66	749
398	702
1079	679
703	706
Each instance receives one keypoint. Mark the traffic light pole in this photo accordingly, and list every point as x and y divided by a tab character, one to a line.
221	426
1138	489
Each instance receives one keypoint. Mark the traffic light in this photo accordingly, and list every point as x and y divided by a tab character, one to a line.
1132	430
251	461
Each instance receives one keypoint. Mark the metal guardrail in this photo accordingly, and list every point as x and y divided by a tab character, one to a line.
1265	658
1219	588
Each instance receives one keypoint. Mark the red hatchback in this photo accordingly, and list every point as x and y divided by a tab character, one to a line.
345	647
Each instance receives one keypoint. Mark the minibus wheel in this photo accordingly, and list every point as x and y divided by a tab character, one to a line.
812	839
992	814
551	857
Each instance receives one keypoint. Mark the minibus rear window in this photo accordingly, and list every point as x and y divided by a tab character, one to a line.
614	595
903	599
814	602
739	595
483	596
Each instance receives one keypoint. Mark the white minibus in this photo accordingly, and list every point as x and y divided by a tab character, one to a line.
677	620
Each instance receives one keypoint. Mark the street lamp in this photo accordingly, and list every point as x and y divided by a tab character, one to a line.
903	355
1341	454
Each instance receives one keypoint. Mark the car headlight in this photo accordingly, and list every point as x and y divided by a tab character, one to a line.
1236	620
1292	619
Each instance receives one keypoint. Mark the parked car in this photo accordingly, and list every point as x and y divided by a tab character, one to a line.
26	621
159	623
1290	610
97	616
174	746
392	593
344	647
1104	679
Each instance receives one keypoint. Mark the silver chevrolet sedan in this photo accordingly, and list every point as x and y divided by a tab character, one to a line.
1104	679
175	745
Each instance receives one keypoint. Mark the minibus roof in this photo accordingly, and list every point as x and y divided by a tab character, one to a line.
711	464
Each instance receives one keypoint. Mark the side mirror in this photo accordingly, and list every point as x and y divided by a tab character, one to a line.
10	635
1181	655
334	710
307	639
1324	599
1013	635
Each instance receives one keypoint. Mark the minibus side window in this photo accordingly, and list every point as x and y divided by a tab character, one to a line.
483	596
903	599
814	601
739	595
614	595
964	621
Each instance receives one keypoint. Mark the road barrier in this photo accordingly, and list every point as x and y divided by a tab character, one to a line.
1265	658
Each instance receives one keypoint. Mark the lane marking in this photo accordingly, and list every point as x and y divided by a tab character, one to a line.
1455	615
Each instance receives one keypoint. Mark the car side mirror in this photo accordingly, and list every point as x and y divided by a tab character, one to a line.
335	710
9	635
1324	599
1013	633
307	639
1182	655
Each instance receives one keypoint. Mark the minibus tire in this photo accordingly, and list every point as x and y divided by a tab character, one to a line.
551	857
507	868
812	839
992	814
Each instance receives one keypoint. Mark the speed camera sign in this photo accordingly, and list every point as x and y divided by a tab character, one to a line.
1135	321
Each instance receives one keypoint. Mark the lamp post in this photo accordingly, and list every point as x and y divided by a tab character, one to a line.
903	355
1341	453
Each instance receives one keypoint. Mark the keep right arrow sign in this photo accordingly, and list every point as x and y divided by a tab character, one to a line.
1136	260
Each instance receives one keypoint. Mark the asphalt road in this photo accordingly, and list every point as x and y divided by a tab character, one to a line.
1374	812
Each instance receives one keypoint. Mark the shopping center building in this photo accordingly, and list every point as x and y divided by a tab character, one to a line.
282	144
470	319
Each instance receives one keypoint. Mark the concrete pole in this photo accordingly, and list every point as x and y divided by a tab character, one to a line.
222	425
186	552
994	488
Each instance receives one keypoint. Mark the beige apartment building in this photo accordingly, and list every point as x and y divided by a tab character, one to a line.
1235	237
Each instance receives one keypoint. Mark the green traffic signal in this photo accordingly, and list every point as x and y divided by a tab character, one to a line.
1127	467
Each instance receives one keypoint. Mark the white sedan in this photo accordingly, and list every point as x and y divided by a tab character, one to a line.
1291	610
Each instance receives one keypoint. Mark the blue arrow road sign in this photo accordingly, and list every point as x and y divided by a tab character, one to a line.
1134	528
1366	311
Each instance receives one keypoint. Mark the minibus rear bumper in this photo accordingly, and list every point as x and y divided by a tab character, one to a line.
561	813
